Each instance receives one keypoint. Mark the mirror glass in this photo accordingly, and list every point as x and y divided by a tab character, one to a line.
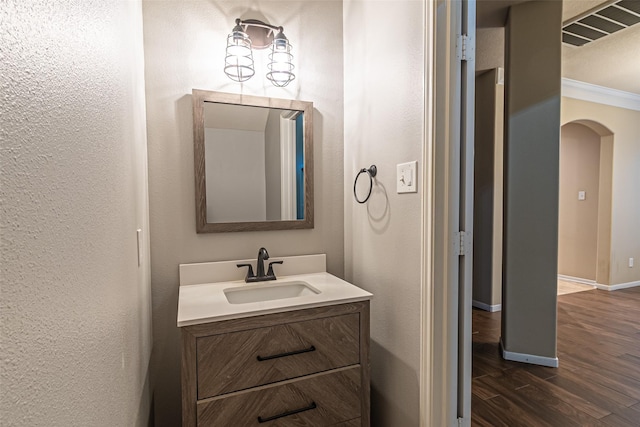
253	163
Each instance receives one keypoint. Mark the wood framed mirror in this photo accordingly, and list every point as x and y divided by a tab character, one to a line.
253	162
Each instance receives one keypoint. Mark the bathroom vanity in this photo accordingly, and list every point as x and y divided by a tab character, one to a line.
289	352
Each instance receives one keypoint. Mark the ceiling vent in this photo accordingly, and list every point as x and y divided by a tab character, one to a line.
600	22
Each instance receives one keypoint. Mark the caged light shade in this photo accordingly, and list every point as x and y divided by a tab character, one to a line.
238	62
251	34
280	61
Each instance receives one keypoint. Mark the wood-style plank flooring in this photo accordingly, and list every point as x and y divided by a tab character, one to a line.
597	383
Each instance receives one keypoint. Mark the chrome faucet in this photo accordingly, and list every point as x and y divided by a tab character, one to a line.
263	255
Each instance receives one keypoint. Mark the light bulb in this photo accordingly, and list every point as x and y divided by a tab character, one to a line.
238	62
280	61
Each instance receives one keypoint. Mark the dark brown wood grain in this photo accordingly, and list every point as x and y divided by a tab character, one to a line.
597	383
229	362
356	422
335	394
218	349
253	322
188	377
365	365
202	226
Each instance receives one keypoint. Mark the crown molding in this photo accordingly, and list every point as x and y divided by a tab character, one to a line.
600	94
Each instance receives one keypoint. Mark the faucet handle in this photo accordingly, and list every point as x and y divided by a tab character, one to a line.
250	274
270	271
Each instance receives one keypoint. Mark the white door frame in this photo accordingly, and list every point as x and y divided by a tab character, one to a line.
287	167
445	380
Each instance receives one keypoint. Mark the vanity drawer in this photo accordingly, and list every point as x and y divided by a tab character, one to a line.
240	360
328	399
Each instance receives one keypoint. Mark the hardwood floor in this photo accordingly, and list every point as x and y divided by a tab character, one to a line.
568	287
597	383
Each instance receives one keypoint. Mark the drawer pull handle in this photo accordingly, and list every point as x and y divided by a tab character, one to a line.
286	414
290	353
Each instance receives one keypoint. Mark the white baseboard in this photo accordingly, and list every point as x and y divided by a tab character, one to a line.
486	307
577	280
618	286
551	362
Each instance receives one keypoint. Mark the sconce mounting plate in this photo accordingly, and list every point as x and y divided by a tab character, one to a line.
260	34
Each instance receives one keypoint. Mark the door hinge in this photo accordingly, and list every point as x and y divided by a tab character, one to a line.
462	243
460	422
465	47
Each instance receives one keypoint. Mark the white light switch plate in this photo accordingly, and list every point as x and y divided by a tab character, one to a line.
406	180
582	195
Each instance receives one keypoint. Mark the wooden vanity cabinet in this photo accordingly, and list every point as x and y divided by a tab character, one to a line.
299	368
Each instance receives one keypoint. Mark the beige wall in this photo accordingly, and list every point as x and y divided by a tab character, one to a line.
625	198
75	307
578	219
184	49
384	115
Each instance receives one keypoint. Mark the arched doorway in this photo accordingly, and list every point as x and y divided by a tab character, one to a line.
584	222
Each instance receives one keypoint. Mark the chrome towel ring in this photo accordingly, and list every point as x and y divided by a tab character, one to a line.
372	172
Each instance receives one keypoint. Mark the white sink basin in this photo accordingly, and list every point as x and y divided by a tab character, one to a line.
215	291
269	292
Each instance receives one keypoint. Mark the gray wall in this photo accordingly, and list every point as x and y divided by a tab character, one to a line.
384	115
75	307
488	184
184	49
489	48
532	138
235	175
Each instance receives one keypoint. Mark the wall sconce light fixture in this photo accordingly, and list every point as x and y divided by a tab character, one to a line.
252	34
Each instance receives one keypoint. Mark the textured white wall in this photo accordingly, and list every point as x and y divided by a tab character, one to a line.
384	112
75	306
184	49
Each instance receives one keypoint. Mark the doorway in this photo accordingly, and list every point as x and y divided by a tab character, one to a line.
584	220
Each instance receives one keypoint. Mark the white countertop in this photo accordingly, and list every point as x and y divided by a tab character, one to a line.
202	303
